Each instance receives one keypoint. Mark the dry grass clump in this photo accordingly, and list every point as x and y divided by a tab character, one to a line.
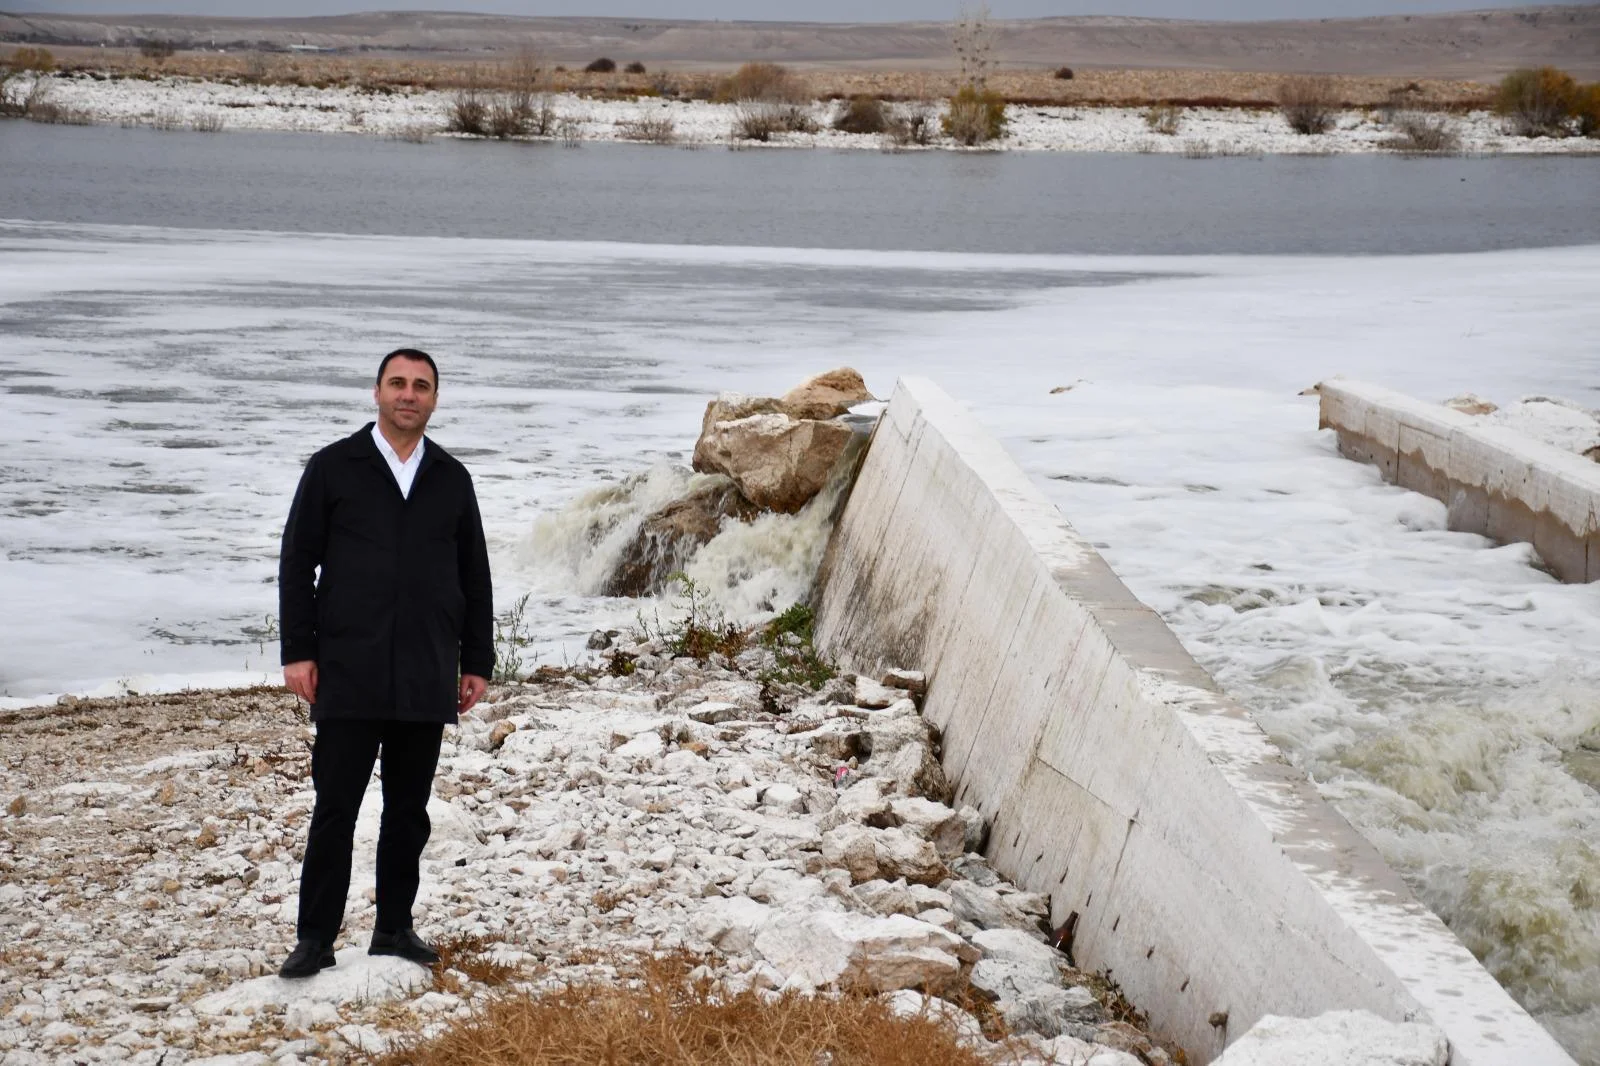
761	120
975	116
1586	107
656	129
470	955
1308	104
1163	119
863	114
661	1014
1420	133
602	65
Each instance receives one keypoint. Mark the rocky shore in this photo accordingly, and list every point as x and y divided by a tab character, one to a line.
797	838
180	103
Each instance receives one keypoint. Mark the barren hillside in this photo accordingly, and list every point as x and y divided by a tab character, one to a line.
1476	44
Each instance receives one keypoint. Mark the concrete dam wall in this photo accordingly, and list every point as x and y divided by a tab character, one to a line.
1116	777
1494	481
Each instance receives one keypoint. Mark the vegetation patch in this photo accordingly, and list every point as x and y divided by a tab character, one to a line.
1308	104
667	1012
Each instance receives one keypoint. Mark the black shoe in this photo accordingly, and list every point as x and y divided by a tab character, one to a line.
406	944
307	959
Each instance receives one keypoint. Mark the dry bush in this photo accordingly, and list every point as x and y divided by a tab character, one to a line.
635	67
1586	108
37	106
660	1014
761	120
569	129
1163	119
510	115
156	49
863	114
911	124
1416	132
600	66
1308	104
1063	74
760	81
38	60
1537	102
468	112
656	129
975	116
210	122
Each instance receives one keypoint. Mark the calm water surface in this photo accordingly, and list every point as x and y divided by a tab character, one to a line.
945	201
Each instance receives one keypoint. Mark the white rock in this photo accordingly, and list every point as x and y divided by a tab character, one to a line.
1337	1038
933	822
646	745
784	798
661	858
873	696
730	923
357	978
886	853
984	907
826	948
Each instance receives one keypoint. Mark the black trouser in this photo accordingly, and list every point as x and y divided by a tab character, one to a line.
341	766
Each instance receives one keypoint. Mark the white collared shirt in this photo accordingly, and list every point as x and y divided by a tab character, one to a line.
404	472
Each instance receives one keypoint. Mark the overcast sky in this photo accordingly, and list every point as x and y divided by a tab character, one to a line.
809	11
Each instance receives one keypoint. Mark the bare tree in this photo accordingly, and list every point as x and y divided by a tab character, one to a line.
973	38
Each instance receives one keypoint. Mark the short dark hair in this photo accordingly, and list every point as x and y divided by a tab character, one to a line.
410	353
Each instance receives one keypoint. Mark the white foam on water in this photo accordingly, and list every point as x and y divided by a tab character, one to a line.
160	389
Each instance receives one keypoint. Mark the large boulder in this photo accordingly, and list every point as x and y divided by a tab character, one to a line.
828	948
727	407
779	463
827	395
669	537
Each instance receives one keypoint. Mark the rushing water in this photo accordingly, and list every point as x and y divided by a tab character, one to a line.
159	388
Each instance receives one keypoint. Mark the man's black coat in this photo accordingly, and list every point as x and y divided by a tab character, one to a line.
403	604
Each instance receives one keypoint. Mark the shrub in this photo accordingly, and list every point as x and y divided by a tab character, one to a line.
1063	73
601	66
863	114
509	115
210	122
759	81
1423	133
38	107
658	129
1308	104
975	116
635	67
910	124
151	48
759	120
37	60
1537	102
1163	118
1586	107
468	112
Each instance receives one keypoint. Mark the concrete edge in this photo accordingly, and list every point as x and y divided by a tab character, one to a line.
1495	482
1206	871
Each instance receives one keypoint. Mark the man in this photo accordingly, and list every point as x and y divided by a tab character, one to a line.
390	643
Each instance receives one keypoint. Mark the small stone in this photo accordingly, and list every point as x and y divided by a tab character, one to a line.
783	797
497	735
662	858
912	681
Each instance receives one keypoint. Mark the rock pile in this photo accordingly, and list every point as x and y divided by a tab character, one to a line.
760	454
149	884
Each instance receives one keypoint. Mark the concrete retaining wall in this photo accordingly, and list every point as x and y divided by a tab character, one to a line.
1494	481
1208	874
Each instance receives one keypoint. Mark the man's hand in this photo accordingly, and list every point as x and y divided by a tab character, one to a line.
472	689
301	677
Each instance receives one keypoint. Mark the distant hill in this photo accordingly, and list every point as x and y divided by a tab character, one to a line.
1472	44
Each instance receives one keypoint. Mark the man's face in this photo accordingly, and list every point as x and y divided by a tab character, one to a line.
406	395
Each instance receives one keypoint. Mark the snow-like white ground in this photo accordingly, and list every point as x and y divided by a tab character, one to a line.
180	103
161	387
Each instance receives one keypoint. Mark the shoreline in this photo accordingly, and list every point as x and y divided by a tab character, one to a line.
418	115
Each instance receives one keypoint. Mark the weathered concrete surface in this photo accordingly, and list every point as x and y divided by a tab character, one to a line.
1207	872
1494	481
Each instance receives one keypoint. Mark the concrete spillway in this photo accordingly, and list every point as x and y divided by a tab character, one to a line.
1494	481
1206	871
